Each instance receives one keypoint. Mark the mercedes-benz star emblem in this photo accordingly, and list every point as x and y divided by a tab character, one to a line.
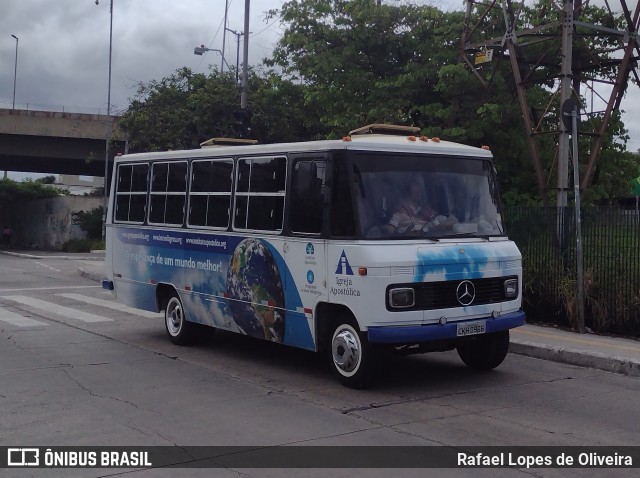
466	292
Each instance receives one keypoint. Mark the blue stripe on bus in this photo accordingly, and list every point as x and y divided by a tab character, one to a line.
427	333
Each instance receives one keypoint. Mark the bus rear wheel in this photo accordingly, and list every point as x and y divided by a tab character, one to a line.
179	330
351	356
485	352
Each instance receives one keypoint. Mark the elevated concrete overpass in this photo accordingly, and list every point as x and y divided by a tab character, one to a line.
56	142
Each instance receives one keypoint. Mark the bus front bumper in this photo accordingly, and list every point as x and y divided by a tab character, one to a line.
429	333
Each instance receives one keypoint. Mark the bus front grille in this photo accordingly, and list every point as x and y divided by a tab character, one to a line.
445	294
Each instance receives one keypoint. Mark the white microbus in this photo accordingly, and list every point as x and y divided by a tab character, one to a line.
381	240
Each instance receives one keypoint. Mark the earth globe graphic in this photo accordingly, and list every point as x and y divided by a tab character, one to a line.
255	291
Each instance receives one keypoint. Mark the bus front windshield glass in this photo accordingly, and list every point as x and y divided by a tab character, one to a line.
418	196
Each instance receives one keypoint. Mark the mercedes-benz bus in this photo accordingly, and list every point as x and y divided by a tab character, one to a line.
381	241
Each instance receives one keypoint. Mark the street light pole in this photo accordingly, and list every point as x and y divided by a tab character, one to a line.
201	50
109	125
15	74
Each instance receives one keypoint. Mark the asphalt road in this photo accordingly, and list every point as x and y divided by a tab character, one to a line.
76	370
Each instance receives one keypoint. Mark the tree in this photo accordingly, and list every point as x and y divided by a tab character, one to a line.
180	111
46	180
362	62
13	192
346	63
184	109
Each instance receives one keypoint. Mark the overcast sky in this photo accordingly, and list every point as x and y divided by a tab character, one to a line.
64	45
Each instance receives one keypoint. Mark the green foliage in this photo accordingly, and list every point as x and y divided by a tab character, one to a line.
361	62
83	245
343	64
13	192
90	222
611	241
185	109
46	180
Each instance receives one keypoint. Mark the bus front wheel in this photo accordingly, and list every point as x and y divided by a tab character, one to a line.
351	356
179	330
485	352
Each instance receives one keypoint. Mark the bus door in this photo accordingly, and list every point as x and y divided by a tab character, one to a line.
305	251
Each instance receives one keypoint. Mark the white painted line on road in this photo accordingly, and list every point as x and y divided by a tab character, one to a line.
11	269
62	287
109	304
18	320
56	309
48	267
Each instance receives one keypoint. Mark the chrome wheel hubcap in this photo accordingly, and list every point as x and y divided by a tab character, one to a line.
174	316
345	349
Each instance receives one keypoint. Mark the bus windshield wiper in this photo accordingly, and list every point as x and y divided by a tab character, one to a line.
464	234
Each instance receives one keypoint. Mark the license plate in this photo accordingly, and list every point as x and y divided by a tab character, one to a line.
472	328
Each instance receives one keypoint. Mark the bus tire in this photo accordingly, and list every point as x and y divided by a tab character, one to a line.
485	352
179	330
352	357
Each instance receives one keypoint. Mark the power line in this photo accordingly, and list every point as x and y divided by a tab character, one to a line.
265	28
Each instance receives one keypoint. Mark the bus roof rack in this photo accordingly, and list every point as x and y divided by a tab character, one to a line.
227	142
381	128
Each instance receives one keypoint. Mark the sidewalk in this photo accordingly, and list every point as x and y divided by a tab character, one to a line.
87	256
611	354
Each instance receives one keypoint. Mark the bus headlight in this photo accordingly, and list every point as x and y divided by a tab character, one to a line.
511	288
402	298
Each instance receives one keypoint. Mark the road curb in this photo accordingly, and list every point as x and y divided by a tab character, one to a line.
90	275
580	358
95	257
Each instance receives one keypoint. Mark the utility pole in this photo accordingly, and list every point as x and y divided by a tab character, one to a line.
238	35
245	65
565	94
531	67
224	34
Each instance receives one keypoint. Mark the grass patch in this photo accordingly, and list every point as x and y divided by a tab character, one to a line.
83	245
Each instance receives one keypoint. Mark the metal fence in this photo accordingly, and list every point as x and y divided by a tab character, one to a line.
611	245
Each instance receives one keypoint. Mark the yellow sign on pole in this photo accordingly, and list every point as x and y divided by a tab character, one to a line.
483	57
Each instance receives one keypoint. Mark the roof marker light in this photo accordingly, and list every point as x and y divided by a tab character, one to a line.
435	139
346	138
485	147
424	138
411	138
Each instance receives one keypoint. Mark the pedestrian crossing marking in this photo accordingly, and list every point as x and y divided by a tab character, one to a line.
109	304
57	309
29	289
18	320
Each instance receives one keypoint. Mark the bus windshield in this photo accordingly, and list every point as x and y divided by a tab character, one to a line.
398	196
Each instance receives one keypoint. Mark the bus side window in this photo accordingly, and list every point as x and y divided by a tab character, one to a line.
168	193
210	195
307	196
131	193
260	192
342	219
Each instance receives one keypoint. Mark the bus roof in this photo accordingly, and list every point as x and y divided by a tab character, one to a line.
369	142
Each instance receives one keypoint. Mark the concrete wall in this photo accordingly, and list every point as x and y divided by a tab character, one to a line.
59	125
54	142
46	224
